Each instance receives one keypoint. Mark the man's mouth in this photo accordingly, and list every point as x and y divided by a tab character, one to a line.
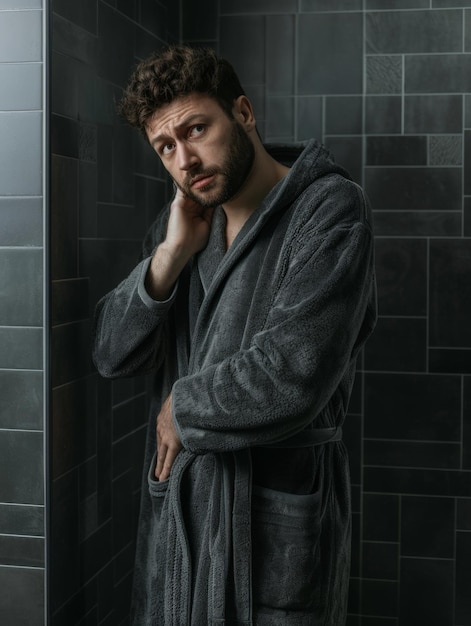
201	181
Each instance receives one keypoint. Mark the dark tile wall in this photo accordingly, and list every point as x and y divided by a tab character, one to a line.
106	187
386	85
22	332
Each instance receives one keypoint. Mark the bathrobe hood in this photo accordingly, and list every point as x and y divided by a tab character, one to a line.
258	346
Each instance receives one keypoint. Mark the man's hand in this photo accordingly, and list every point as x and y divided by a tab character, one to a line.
168	442
188	231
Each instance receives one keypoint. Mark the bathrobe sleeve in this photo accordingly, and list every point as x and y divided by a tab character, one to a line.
130	327
318	320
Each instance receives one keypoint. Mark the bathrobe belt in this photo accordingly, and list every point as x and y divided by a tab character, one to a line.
310	437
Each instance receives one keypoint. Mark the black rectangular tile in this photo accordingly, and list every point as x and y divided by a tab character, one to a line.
445	150
450	295
355	550
152	16
87	226
128	416
383	75
262	6
450	361
398	344
428	527
115	45
437	73
395	453
380	517
21	286
383	115
426	482
413	407
343	115
379	598
418	223
73	426
21	519
200	20
309	118
21	348
399	150
433	114
64	209
342	35
378	621
122	161
95	262
467	422
21	400
70	339
397	4
467	35
69	301
21	456
408	32
82	14
280	119
347	152
467	162
426	593
280	54
96	551
21	221
463	559
64	137
414	188
401	268
120	222
23	600
123	516
21	551
353	602
443	4
64	564
125	389
327	5
463	521
467	217
241	57
380	560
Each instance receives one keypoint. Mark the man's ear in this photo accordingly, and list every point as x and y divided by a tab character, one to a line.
243	112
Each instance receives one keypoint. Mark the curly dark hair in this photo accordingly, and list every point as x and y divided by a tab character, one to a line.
173	72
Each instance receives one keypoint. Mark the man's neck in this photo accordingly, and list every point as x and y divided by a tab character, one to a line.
265	174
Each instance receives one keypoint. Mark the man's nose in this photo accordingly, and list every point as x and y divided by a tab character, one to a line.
187	158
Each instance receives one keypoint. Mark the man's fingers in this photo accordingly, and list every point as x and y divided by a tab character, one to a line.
161	456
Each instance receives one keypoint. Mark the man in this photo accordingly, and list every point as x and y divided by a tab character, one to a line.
253	299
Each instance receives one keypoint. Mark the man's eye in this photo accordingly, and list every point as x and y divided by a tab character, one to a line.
197	130
167	148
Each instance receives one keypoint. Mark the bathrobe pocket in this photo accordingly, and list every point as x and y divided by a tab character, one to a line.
285	550
157	489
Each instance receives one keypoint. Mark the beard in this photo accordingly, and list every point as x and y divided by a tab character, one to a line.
234	171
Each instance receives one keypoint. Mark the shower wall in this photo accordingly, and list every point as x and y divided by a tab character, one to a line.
386	84
22	302
106	187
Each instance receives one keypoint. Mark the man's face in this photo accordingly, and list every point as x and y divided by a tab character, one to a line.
208	155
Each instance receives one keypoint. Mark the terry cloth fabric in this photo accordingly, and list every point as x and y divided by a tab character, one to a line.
258	345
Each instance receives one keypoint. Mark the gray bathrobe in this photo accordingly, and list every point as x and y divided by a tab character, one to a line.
258	345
